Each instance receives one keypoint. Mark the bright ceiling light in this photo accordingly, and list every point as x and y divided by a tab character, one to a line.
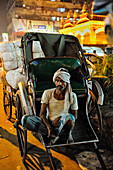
24	5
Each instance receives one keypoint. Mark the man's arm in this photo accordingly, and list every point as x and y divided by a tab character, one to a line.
74	113
74	106
43	114
45	120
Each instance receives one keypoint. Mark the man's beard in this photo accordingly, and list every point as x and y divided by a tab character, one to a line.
59	87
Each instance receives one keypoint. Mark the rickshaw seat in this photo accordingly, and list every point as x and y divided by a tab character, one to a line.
43	69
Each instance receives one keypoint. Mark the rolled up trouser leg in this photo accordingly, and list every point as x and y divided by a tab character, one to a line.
34	123
63	120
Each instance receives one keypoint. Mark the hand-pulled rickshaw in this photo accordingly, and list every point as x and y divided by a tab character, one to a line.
59	51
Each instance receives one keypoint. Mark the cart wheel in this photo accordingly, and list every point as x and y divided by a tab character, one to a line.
21	133
7	104
18	108
22	141
95	116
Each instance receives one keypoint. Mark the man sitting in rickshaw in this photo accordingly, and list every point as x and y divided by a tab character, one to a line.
62	105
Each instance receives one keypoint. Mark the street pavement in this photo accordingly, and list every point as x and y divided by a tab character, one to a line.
37	159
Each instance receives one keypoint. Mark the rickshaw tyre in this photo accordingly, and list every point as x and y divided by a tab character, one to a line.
18	108
99	115
22	141
7	96
100	118
21	133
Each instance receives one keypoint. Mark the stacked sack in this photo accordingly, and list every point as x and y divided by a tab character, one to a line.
2	71
9	56
13	64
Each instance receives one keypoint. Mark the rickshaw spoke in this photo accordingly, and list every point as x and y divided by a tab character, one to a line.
7	105
92	109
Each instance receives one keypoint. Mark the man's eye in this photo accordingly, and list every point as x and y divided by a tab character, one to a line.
60	81
57	80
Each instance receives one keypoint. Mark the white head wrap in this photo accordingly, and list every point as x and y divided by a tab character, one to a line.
65	76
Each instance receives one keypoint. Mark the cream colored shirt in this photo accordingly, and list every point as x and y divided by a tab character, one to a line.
56	107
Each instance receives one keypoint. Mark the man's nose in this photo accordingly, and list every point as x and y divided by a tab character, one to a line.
59	82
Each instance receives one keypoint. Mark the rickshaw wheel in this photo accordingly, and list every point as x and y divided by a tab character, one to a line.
7	104
18	108
22	141
95	115
21	133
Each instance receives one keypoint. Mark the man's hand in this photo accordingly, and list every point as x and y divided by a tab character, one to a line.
51	132
74	113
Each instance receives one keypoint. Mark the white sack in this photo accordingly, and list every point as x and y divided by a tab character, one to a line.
9	56
10	65
17	43
37	55
1	47
36	47
13	77
20	63
8	46
19	52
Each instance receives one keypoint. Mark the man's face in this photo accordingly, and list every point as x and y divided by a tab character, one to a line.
60	84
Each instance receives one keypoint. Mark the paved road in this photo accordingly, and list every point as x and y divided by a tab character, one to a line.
37	158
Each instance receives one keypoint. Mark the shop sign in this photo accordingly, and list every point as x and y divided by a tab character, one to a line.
5	37
19	25
35	26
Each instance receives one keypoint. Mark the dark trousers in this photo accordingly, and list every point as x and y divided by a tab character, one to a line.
35	124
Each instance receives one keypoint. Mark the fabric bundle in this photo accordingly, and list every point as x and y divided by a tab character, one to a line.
12	64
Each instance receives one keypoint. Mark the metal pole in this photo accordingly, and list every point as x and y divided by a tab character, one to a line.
99	157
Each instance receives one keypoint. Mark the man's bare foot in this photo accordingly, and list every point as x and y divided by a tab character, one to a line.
70	138
54	140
